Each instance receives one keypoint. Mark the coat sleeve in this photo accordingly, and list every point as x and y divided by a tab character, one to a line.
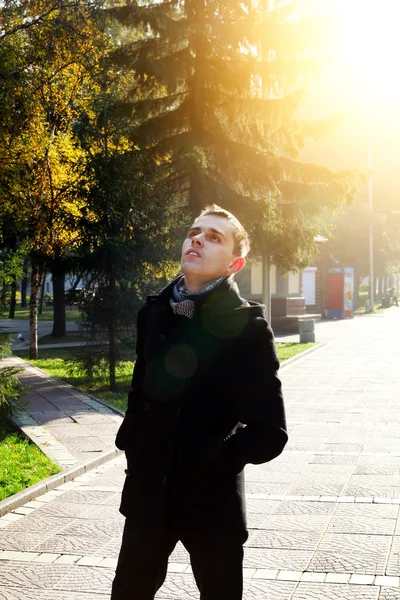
258	397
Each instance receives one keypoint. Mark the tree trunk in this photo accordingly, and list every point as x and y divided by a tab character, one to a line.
13	299
36	279
112	338
266	285
40	310
24	283
3	297
385	285
356	290
59	320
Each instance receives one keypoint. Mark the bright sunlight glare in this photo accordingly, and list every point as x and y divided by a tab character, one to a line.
368	49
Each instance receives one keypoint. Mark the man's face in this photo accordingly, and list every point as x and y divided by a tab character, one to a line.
208	250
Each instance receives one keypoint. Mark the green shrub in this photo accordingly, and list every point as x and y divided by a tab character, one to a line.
10	388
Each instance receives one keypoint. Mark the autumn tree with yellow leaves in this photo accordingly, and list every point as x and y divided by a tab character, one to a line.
49	50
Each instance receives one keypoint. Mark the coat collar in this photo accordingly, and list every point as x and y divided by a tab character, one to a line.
224	297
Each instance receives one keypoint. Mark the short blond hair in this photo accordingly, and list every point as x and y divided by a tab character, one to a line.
240	236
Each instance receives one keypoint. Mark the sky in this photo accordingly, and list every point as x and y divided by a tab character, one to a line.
363	85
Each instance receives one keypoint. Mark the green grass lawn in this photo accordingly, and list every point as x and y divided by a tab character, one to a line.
55	362
289	349
21	463
72	314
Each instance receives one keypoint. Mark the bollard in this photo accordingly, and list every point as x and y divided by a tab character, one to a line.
307	330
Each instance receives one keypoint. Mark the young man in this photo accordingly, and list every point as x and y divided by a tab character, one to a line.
205	401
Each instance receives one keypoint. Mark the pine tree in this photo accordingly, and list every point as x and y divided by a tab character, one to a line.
217	88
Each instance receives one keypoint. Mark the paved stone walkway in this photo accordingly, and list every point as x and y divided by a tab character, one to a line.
323	517
71	427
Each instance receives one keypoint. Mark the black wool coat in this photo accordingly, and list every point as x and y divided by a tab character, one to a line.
205	401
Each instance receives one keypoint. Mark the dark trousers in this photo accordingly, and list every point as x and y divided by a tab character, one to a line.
216	560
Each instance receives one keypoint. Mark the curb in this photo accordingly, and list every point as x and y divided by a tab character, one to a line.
289	361
52	482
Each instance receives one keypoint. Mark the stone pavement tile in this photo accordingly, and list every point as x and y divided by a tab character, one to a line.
393	567
111	549
178	587
273	478
67	559
388	593
330	486
378	466
300	540
37	524
253	487
313	577
258	589
63	544
292	522
86	579
89	561
22	543
94	529
109	563
316	591
305	508
263	507
40	405
87	497
62	595
74	430
373	485
328	459
255	520
89	443
320	471
360	524
302	446
100	429
180	554
53	419
361	579
183	587
264	558
103	512
341	447
110	480
367	511
62	510
358	553
46	557
337	561
35	575
20	593
91	417
387	581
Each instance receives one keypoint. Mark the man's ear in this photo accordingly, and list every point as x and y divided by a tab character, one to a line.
236	266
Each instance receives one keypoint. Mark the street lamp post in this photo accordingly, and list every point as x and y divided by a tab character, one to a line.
371	237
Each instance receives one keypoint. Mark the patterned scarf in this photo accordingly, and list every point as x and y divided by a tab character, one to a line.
183	302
